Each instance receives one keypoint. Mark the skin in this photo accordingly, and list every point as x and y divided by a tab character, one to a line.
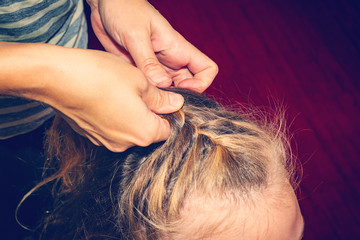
211	218
136	31
103	96
282	222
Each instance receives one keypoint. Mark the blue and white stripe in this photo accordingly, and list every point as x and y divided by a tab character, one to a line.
59	22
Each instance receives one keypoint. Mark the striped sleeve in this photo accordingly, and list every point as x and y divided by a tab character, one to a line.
59	22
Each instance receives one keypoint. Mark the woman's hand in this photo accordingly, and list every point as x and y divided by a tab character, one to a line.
135	27
102	97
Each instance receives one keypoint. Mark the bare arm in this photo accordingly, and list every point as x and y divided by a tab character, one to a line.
103	97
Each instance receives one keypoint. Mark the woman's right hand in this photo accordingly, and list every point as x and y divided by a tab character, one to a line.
102	97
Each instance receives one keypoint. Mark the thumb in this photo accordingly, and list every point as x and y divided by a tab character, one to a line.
141	50
162	102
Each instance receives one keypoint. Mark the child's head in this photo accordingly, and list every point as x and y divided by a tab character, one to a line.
220	175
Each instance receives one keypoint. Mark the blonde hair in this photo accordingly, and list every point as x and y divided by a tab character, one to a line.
141	193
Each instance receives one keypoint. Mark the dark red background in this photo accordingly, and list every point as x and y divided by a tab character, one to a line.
306	55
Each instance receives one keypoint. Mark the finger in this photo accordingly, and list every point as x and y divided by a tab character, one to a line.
179	75
106	41
194	84
79	130
150	127
162	102
184	54
203	68
110	144
146	126
141	50
155	130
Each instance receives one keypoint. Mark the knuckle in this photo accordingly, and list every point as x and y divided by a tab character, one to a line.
159	100
116	147
145	141
216	68
150	65
149	135
213	68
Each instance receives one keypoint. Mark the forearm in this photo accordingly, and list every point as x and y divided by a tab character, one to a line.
24	69
43	72
101	96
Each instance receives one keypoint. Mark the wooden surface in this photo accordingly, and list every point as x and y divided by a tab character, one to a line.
305	55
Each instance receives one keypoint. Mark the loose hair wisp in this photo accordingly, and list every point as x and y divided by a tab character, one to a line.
141	193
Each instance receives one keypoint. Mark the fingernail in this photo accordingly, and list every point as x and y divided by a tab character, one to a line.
176	100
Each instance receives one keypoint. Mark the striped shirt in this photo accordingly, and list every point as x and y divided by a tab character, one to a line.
59	22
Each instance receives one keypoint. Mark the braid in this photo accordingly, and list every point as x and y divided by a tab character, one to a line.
141	193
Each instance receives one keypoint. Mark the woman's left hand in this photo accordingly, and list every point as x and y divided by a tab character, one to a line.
136	31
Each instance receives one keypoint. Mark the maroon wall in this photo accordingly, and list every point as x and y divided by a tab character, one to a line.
305	55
